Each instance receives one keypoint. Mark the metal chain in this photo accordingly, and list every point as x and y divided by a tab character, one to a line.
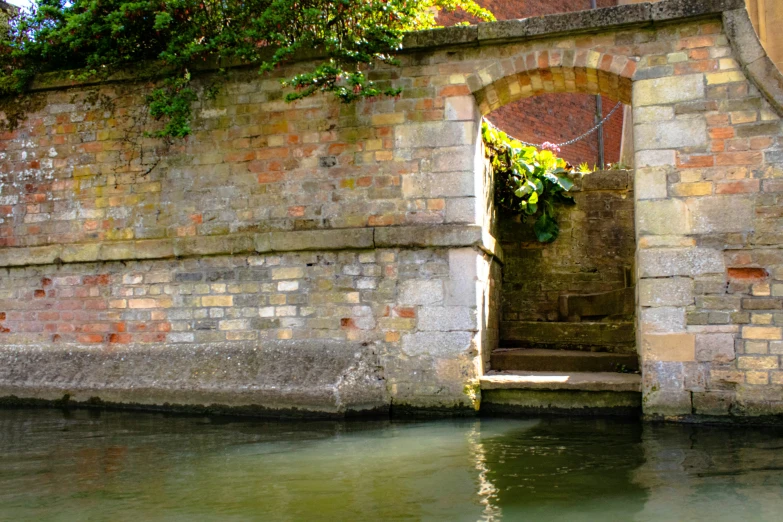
569	142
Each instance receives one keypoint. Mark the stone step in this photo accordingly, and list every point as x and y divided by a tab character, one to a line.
617	337
569	393
543	360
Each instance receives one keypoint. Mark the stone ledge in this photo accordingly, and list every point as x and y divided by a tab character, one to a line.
276	378
281	241
607	18
752	56
576	22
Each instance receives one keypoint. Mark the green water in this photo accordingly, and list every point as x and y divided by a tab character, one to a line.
137	467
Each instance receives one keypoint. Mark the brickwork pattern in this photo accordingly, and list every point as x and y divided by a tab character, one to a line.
554	118
708	163
594	252
399	300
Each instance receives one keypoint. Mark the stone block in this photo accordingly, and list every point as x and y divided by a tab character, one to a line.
722	214
461	287
654	158
461	108
667	403
453	159
675	291
438	185
770	333
717	348
428	236
651	183
665	217
685	132
712	402
768	79
331	239
447	318
437	344
434	134
84	253
673	347
421	292
663	262
653	113
461	210
674	9
758	362
664	319
667	91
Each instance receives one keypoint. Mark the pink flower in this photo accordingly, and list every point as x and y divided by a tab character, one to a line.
550	146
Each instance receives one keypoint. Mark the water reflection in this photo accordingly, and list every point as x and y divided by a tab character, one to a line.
123	466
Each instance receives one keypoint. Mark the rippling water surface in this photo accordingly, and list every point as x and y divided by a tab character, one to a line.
136	467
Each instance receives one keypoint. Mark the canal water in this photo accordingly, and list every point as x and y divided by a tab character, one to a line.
95	466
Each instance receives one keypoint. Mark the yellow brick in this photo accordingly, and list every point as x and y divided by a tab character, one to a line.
384	155
728	63
118	303
740	117
756	347
762	332
217	300
692	189
678	347
287	273
761	318
394	118
392	337
725	77
142	303
757	377
758	362
374	145
285	334
761	289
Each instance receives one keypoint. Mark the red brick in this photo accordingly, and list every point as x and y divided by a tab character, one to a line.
743	186
747	274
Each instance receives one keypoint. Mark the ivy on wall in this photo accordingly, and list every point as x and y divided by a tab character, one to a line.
528	181
98	38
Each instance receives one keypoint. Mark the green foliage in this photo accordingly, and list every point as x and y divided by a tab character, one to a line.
528	181
100	37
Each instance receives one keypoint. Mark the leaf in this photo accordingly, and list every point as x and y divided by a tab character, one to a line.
565	183
546	228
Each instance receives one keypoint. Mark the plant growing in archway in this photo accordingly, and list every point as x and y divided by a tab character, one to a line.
528	181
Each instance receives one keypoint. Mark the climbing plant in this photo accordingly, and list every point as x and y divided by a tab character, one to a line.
528	181
100	37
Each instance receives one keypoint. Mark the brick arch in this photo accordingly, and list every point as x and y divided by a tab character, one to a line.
553	71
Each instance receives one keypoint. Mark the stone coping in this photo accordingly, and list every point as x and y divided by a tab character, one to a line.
572	23
595	20
753	58
453	236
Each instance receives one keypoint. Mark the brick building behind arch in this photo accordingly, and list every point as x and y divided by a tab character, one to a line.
553	117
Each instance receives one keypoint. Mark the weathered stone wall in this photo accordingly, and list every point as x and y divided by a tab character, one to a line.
322	331
263	178
594	252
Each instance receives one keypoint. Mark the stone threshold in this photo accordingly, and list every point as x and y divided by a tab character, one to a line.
442	236
582	381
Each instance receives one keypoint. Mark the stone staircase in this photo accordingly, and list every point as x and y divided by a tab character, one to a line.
582	368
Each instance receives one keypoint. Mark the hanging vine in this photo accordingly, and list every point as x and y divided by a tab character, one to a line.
97	38
528	181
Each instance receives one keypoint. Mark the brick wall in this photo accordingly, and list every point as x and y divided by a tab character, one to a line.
85	196
554	118
594	252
